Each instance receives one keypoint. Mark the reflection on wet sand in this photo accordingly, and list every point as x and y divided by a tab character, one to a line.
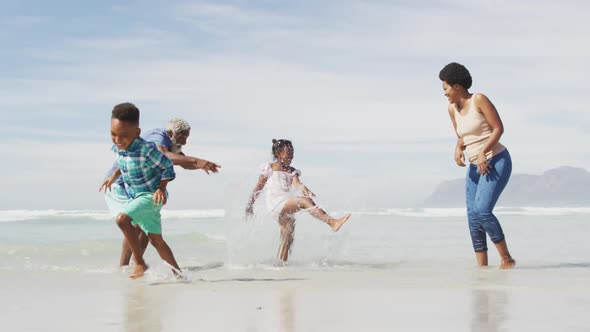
489	310
142	312
489	305
287	311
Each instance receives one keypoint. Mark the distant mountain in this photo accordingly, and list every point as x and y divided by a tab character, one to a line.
563	186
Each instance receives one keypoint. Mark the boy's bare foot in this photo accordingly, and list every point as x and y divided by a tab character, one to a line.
507	263
337	223
138	272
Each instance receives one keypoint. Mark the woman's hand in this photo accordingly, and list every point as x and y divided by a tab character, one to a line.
483	167
459	156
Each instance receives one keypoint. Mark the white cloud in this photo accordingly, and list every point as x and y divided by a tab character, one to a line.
116	44
360	28
220	18
273	97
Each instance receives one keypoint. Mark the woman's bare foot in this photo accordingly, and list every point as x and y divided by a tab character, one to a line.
507	263
138	272
337	223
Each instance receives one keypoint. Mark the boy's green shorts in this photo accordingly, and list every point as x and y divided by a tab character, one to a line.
145	213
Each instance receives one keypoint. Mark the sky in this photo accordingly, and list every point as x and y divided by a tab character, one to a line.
354	85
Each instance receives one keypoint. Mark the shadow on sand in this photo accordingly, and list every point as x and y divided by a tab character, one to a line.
176	282
252	279
209	266
555	266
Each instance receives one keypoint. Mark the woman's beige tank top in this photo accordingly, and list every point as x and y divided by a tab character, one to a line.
475	131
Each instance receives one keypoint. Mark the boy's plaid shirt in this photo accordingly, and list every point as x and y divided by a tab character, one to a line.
143	166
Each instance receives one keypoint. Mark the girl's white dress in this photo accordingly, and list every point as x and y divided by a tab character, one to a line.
278	188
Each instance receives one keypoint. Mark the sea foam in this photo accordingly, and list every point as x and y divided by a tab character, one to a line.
20	215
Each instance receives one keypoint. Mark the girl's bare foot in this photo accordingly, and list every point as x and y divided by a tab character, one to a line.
337	223
139	271
180	276
507	263
280	263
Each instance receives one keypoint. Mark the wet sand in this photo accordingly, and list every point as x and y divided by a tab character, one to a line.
403	298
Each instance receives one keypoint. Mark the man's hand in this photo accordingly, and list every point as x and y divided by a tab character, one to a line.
207	166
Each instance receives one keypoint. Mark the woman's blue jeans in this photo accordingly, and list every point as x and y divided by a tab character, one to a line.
482	193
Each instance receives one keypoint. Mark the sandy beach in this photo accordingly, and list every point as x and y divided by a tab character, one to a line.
543	298
395	272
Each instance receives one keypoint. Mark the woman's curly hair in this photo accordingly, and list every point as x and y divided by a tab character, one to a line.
455	73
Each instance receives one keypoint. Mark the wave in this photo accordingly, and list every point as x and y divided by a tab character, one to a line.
20	215
193	214
415	212
461	212
543	211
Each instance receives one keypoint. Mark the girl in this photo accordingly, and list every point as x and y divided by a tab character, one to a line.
281	203
478	128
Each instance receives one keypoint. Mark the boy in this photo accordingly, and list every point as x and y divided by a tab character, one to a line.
146	173
169	141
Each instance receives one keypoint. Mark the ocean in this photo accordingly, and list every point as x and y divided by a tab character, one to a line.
81	240
406	264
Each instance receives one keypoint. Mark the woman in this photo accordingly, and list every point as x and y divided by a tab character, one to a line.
479	128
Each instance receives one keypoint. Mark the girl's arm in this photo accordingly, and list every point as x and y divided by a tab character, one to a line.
299	185
459	155
488	110
255	193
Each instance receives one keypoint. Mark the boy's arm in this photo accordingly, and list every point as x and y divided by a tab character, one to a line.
160	194
188	162
108	182
156	159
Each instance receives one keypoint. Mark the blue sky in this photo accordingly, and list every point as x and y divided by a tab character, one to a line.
353	83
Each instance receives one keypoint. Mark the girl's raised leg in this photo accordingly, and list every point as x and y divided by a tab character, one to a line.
294	205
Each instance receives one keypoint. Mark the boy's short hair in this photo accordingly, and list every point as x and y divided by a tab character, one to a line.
455	73
126	112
